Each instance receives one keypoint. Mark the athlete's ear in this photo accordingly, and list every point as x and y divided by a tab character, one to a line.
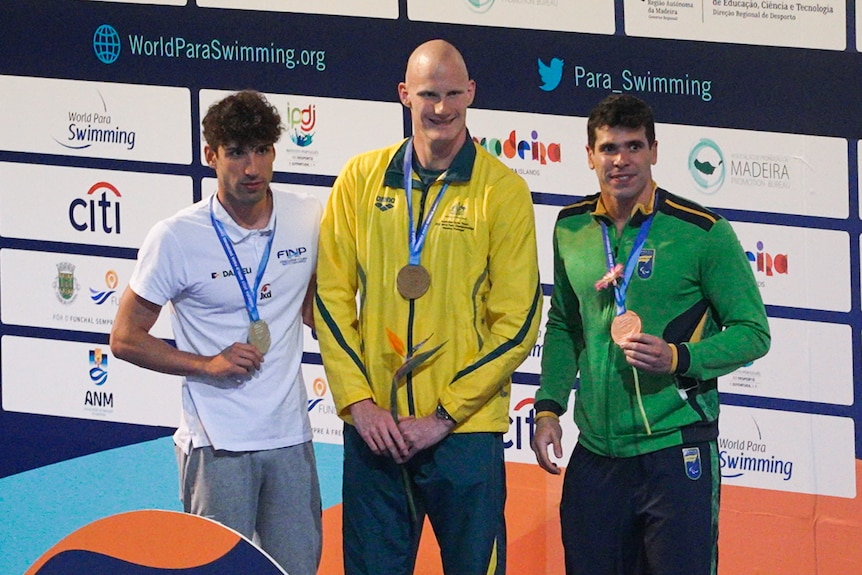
403	94
210	156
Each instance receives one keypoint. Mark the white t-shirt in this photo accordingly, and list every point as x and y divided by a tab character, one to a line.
182	261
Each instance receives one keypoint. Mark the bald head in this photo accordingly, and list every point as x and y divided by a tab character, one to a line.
438	90
436	56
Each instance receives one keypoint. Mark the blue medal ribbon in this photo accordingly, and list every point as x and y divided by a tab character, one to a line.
417	240
227	245
621	287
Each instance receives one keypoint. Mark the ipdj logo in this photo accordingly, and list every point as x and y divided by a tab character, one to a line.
706	166
551	74
480	5
305	119
106	44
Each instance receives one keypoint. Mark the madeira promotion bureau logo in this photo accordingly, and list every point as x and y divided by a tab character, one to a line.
106	44
480	6
706	166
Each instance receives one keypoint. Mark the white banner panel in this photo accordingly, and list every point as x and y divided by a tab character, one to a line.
96	119
66	291
588	16
325	423
799	267
756	171
85	206
533	362
523	426
808	361
314	139
369	8
83	380
546	219
547	151
783	451
794	23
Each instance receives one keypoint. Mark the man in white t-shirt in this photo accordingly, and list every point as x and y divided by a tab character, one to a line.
238	269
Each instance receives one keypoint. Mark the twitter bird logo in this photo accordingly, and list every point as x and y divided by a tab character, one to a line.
551	74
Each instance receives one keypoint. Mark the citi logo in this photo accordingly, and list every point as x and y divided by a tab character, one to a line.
522	426
767	263
99	211
301	122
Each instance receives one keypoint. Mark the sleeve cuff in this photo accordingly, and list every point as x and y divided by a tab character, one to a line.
682	358
548	407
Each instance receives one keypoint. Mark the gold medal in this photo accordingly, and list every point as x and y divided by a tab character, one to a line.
413	281
624	326
258	336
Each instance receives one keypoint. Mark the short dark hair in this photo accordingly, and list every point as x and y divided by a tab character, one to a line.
244	118
621	111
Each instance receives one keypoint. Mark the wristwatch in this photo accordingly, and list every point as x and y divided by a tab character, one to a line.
441	413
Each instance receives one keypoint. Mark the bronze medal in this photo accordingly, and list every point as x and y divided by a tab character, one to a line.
624	326
413	281
258	336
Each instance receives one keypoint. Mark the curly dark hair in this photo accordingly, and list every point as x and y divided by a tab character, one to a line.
621	111
244	118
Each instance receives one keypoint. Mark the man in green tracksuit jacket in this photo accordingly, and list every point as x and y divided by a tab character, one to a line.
653	300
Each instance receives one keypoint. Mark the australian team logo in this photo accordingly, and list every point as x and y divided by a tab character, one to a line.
65	285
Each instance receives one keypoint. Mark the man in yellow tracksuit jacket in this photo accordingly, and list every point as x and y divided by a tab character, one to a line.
477	295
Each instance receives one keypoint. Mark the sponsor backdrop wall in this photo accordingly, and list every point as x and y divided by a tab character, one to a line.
758	105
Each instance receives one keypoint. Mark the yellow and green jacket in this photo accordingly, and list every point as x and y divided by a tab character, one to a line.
483	304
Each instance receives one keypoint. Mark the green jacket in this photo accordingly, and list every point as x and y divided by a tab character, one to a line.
693	287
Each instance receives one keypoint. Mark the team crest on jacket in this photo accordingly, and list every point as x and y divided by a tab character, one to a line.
384	203
645	263
691	460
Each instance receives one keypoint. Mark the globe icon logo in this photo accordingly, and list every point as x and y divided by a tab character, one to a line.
106	44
